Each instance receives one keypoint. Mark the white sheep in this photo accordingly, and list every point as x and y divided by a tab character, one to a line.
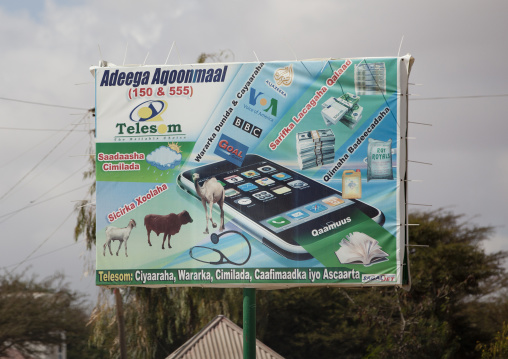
118	234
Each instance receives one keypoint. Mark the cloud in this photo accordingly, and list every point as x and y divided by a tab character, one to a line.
164	158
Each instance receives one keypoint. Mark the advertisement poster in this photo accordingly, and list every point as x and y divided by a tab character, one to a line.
264	175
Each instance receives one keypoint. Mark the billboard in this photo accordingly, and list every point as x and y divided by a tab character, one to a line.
264	175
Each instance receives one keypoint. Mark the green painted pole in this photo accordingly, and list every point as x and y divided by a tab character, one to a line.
249	323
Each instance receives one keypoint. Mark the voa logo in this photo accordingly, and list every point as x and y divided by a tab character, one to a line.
267	104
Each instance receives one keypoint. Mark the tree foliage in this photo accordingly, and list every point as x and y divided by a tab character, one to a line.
85	221
439	317
451	279
221	56
498	348
158	321
35	315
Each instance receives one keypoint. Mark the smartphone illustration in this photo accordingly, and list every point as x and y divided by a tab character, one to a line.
275	204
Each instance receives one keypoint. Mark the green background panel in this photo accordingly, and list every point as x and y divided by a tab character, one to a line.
147	173
324	249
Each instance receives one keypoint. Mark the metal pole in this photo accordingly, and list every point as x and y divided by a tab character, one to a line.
249	323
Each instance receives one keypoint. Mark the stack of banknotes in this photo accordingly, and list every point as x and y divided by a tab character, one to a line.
315	148
344	109
370	79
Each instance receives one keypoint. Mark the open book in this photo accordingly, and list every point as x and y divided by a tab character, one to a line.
359	248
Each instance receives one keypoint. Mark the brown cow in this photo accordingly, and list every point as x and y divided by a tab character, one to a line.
169	224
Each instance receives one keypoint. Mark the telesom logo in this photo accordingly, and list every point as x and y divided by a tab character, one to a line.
148	111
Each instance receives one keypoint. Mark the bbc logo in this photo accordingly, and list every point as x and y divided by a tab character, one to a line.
247	127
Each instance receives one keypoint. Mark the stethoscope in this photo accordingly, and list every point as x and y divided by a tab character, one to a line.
214	237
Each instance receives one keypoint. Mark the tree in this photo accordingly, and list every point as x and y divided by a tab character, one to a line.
35	315
85	223
159	320
498	348
434	319
221	56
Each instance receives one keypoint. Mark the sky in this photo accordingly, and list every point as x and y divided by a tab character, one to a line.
457	91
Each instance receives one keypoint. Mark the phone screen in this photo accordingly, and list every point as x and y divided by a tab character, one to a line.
280	200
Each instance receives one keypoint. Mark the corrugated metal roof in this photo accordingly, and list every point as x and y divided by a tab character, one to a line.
220	339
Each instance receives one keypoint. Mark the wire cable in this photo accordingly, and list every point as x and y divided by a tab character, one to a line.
455	97
28	150
39	129
43	242
11	214
39	162
64	153
44	104
59	183
45	254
